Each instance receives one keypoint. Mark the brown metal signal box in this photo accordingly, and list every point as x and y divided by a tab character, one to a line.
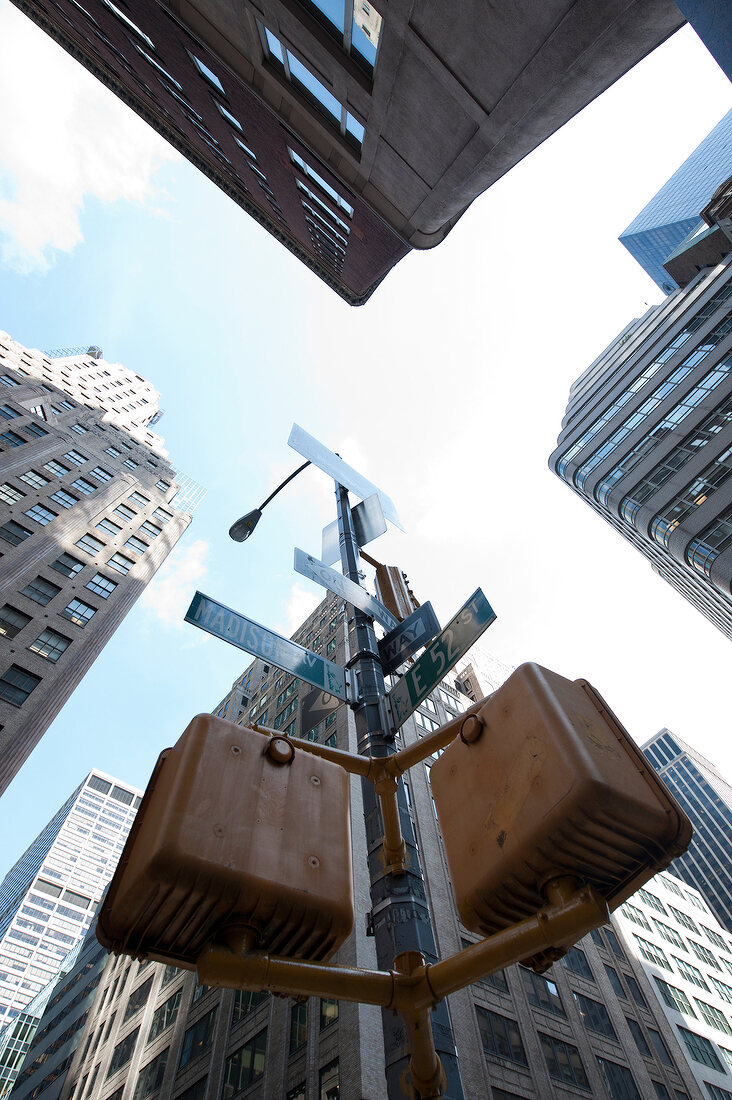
552	786
237	843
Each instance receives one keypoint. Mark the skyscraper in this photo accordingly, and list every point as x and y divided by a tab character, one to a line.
47	900
646	440
518	1034
668	927
706	798
355	132
673	212
90	507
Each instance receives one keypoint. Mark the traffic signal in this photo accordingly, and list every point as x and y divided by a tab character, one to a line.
392	589
240	839
544	782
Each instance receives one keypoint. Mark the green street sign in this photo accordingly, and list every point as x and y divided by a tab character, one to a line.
244	633
445	651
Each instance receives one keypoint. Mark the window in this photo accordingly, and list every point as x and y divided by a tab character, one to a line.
714	937
197	1091
364	28
640	1040
67	565
41	590
298	1093
150	529
594	1015
541	991
7	412
246	1002
107	525
701	1049
690	972
245	1065
563	1061
14	533
684	918
150	1077
50	644
673	997
724	990
704	954
652	953
83	486
34	479
123	1052
615	947
120	563
661	1050
112	451
661	1091
615	982
313	89
198	1038
66	500
100	474
102	585
329	1081
618	1081
35	429
328	1013
208	74
169	974
12	621
12	439
91	545
79	429
636	991
137	999
669	934
163	486
162	516
136	545
298	1026
40	515
500	1036
717	1093
124	512
713	1016
54	467
8	381
76	457
10	494
576	960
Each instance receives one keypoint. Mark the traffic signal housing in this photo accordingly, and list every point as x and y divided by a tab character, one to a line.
240	839
543	782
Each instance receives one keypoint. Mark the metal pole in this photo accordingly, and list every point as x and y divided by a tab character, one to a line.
400	914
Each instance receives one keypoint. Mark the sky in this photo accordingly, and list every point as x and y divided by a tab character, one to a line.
446	389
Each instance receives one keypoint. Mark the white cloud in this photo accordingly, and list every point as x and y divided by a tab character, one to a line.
66	139
302	602
171	590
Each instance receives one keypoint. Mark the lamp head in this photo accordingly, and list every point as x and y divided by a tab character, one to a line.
242	529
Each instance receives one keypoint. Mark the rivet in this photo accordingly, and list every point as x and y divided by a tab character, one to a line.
315	780
314	861
236	750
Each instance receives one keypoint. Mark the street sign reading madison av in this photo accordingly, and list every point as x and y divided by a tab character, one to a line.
448	647
244	633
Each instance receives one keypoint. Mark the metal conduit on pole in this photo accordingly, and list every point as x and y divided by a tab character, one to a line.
400	914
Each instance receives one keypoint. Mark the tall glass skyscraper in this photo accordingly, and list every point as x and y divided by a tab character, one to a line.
707	799
673	212
48	899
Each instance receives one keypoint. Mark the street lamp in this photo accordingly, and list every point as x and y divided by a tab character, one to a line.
242	529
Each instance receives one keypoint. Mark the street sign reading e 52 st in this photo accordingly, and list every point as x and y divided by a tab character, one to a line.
448	647
244	633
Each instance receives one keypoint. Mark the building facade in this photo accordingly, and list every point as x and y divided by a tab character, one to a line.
90	508
687	956
706	797
646	440
48	899
570	1032
673	212
354	132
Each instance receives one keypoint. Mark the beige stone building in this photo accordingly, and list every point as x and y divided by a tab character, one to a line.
90	508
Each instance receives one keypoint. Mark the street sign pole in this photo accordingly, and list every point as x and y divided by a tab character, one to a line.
400	915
